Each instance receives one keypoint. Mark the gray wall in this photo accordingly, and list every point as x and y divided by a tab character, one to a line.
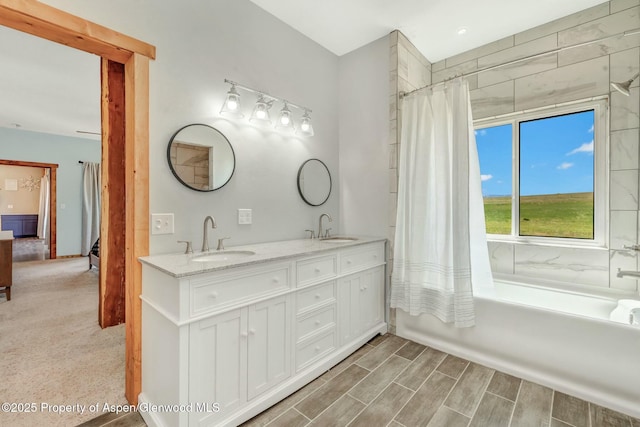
66	152
364	130
199	44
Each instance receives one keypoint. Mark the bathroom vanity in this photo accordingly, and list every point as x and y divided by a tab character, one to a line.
227	334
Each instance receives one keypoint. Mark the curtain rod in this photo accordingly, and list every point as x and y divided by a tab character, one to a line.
403	94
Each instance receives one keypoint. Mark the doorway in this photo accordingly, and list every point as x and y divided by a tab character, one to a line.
52	169
125	159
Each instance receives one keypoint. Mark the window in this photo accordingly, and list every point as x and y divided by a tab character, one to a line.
544	174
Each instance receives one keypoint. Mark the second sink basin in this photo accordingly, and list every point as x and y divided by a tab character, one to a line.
338	239
222	256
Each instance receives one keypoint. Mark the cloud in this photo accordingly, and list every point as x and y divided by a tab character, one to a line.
481	132
564	166
486	177
587	147
591	129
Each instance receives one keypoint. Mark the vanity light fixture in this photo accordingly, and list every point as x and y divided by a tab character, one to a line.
231	106
305	128
285	122
260	114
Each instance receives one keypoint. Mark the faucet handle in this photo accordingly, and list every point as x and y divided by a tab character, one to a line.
313	235
221	243
326	233
189	249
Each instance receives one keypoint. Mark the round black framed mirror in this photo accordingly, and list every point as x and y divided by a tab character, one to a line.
314	182
201	157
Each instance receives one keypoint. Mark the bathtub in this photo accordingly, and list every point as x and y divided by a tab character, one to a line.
561	339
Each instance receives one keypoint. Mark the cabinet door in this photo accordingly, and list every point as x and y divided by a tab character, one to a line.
371	298
360	302
217	364
269	347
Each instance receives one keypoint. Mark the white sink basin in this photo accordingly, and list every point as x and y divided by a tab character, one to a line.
222	256
338	239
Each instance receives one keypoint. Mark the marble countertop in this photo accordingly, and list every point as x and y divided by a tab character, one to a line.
181	265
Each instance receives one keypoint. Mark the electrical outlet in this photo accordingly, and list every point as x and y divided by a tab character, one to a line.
9	206
244	216
162	223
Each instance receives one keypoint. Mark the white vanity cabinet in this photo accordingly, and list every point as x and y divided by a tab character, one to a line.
221	346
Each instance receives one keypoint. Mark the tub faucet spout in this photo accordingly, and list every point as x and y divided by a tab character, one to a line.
623	273
205	237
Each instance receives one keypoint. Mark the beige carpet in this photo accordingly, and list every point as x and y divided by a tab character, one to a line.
52	351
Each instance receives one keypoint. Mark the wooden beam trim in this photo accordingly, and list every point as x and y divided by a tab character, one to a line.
56	25
137	222
29	164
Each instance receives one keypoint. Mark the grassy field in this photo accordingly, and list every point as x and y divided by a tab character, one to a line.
552	215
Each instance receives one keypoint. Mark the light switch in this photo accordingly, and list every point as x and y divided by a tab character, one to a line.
162	223
244	216
9	206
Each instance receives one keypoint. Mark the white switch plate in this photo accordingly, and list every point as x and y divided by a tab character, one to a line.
244	216
162	223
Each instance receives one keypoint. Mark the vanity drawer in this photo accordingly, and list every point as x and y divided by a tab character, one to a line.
362	257
316	321
218	291
317	270
311	350
315	295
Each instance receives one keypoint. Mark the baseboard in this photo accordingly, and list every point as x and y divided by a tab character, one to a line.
68	256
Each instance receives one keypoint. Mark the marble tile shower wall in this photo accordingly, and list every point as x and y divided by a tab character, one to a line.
569	75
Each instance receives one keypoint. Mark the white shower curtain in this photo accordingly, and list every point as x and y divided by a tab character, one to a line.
440	249
90	206
43	210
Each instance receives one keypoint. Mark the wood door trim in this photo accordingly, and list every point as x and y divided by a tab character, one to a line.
53	197
61	27
44	21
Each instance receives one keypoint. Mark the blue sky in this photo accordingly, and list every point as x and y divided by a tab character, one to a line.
556	156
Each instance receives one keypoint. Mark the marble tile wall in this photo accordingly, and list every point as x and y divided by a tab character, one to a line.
570	75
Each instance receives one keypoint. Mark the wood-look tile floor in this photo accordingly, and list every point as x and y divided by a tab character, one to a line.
395	382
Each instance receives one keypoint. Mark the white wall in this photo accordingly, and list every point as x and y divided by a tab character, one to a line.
198	45
364	134
66	152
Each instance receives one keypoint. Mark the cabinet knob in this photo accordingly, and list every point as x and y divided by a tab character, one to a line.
213	294
243	334
276	280
317	322
317	270
252	331
317	348
361	288
317	296
348	261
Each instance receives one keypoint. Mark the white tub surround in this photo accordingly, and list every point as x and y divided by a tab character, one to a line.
560	339
223	341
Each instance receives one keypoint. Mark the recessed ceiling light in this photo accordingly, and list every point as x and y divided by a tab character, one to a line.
462	31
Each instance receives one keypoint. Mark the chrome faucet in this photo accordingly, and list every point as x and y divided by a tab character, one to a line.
622	273
205	237
320	224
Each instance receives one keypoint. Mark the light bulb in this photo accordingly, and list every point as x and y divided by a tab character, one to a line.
284	120
232	104
261	114
304	126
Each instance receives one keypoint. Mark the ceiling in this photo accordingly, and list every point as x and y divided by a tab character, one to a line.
51	88
432	25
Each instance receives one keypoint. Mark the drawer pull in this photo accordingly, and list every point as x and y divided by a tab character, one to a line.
361	289
317	270
276	280
213	295
317	348
317	322
252	331
243	334
348	261
317	296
